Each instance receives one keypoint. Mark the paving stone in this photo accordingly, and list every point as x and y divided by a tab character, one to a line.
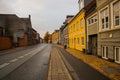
57	68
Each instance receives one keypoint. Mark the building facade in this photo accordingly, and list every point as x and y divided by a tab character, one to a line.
91	17
55	37
76	32
28	30
64	31
12	27
15	31
109	29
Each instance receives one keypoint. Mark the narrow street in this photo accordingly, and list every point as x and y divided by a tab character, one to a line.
35	63
27	64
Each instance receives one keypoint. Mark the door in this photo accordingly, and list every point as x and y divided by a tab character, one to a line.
94	44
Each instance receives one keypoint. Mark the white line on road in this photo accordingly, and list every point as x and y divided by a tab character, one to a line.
14	60
26	54
21	57
3	65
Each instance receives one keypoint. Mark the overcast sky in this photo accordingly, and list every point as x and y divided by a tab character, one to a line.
46	15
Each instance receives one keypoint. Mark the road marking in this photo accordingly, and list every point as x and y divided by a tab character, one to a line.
26	54
14	60
29	53
21	57
3	65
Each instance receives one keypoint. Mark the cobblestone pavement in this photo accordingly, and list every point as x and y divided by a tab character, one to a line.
57	68
110	69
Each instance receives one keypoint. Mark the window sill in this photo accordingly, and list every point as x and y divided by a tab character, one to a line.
105	58
117	62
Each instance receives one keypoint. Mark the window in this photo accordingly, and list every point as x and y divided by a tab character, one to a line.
116	13
92	19
20	30
78	41
81	23
117	54
89	22
72	41
74	27
105	52
82	39
104	19
95	18
77	25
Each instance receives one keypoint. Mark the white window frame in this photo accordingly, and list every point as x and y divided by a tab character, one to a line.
100	21
112	15
92	16
104	52
115	55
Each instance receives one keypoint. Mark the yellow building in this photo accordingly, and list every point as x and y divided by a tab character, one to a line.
55	37
76	31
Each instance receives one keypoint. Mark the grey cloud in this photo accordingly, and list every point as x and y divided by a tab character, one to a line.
47	15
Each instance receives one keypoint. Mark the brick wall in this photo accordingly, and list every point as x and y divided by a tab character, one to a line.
5	43
23	41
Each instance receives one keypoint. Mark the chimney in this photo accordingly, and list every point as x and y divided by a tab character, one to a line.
29	16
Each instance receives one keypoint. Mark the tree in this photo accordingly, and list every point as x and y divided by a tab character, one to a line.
46	37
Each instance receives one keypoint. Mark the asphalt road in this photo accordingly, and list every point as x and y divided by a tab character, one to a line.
29	63
81	69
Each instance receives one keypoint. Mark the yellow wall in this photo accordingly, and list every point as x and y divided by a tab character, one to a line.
76	32
55	37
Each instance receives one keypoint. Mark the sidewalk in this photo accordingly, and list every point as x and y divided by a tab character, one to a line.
107	68
57	68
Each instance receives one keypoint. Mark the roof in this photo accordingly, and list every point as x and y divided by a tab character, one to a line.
27	21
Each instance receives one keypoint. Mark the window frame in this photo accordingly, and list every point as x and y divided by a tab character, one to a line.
104	52
94	17
117	61
82	41
114	20
104	19
78	41
100	22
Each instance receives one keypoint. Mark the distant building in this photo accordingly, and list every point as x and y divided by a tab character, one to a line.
28	29
15	31
63	32
50	38
13	27
55	37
